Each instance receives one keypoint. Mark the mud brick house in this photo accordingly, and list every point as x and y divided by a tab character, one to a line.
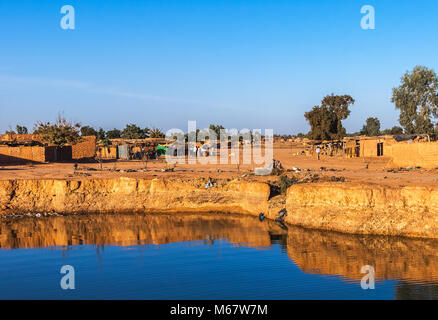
413	154
25	148
367	147
125	149
372	147
403	150
107	152
85	150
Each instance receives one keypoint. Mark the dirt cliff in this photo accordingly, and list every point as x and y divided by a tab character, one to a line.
365	209
344	207
131	195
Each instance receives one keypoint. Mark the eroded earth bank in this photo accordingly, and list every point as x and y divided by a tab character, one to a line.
344	207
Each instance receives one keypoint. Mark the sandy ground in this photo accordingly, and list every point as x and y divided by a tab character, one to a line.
354	170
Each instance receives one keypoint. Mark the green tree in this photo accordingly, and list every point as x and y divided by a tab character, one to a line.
156	133
396	130
417	100
393	131
132	131
61	133
323	123
101	134
217	129
21	129
371	127
339	106
88	131
114	134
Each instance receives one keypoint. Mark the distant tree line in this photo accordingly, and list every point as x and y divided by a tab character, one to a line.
416	98
214	132
63	132
131	131
18	129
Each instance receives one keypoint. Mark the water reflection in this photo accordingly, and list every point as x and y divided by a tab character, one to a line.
131	229
340	254
409	291
412	263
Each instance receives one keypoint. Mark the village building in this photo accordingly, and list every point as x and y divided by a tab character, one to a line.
403	150
25	148
128	149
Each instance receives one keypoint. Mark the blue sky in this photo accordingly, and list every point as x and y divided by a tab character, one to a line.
242	64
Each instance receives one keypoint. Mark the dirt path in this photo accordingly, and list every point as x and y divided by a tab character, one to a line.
355	170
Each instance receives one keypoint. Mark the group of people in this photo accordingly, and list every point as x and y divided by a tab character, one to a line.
145	154
330	149
196	151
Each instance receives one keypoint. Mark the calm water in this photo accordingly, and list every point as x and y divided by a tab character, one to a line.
191	256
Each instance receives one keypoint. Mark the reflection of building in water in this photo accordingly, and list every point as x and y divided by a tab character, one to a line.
323	252
409	261
132	229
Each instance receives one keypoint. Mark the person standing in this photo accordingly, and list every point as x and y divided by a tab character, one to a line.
318	151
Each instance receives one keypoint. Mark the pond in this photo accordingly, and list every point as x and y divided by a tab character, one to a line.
205	256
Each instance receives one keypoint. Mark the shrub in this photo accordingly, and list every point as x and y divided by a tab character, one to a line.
276	172
60	133
286	182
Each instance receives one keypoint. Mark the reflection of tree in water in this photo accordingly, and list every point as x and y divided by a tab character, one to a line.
413	261
407	291
135	229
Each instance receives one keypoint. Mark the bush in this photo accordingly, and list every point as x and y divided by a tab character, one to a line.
286	182
61	133
276	172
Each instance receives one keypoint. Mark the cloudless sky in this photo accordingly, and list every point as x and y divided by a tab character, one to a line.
242	64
